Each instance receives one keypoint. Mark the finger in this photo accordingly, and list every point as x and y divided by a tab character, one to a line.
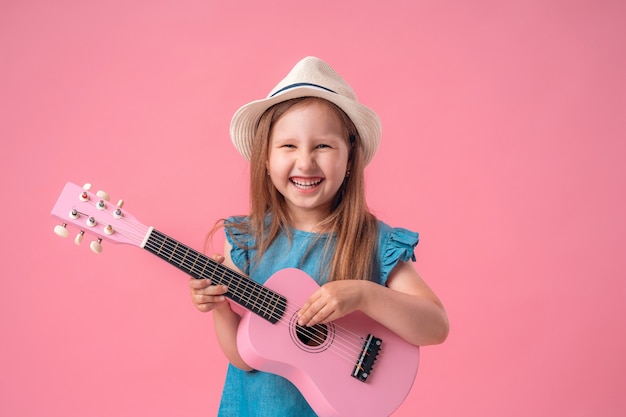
198	284
306	314
208	299
324	315
213	290
206	307
309	303
218	258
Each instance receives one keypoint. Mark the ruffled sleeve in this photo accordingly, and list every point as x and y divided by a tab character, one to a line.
240	241
395	244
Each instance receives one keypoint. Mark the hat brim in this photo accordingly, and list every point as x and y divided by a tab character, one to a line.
245	120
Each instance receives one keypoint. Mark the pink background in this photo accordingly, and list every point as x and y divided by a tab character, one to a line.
503	145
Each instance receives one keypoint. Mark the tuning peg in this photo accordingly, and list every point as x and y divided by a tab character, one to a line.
96	246
79	237
87	186
61	230
103	195
117	213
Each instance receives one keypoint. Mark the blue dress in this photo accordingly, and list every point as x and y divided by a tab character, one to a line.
261	394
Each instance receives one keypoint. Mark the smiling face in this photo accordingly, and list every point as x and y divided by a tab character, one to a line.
308	160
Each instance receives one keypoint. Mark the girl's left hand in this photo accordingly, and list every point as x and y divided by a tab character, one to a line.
332	301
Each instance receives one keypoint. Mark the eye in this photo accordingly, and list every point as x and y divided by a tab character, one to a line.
322	146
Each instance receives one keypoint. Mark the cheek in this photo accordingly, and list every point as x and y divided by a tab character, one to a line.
276	166
340	165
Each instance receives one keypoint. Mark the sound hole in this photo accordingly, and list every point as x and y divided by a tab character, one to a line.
312	336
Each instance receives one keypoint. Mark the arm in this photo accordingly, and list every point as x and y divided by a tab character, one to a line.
407	306
208	297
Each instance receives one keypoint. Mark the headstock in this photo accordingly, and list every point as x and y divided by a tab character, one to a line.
93	214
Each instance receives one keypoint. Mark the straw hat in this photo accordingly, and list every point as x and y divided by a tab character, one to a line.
309	77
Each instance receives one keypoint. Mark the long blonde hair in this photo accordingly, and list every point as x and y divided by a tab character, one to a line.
355	227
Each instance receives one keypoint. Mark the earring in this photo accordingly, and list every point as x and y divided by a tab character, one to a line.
347	174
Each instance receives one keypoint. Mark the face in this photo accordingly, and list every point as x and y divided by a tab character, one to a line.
308	160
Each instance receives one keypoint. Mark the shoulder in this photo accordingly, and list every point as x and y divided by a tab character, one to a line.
239	242
237	228
396	236
395	244
236	220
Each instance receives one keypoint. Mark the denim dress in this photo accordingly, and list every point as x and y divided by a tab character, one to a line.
261	394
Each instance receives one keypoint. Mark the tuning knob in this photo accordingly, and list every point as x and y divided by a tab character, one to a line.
103	195
79	237
96	246
61	230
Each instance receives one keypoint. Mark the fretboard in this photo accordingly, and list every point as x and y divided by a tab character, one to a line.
242	290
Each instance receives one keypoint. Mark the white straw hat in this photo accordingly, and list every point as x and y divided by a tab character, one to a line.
311	77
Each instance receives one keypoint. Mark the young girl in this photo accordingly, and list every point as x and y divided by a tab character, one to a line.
308	143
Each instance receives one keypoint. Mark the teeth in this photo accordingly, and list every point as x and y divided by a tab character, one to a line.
305	184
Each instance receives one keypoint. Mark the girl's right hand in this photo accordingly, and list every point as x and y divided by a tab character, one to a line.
207	297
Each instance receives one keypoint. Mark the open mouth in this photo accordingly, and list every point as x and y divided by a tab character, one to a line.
306	183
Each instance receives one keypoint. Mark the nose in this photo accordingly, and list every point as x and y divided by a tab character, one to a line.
306	160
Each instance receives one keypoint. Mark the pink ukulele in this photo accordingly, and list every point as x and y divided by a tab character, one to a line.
350	367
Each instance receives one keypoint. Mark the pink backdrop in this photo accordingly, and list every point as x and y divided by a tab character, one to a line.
503	145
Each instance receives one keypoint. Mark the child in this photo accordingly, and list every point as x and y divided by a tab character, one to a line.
308	143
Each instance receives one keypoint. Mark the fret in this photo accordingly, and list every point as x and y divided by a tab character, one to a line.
262	305
179	253
268	297
273	294
249	294
213	271
161	247
240	293
223	271
256	291
193	265
241	288
185	257
174	250
226	279
236	289
207	263
201	274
